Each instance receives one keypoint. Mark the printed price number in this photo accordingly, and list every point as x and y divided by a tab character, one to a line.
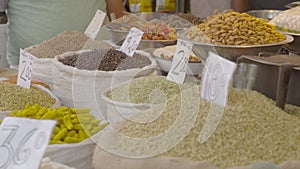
216	79
216	82
132	41
180	61
25	69
22	145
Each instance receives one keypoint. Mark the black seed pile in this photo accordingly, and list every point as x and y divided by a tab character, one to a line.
105	60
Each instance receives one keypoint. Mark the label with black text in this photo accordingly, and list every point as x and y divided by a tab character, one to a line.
180	62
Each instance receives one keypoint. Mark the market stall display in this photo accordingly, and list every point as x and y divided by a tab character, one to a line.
164	57
252	129
114	111
61	43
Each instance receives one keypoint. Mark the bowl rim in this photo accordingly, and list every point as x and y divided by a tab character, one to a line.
264	10
288	39
114	30
290	33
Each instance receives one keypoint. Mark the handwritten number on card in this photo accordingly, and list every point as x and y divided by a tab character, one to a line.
20	155
26	71
23	142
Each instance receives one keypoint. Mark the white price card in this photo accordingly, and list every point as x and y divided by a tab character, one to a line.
95	25
23	142
132	41
25	69
216	79
179	66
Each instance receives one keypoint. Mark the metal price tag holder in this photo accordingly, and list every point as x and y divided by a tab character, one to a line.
275	76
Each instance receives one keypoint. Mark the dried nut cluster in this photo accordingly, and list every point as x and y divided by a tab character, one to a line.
233	28
252	129
73	125
13	97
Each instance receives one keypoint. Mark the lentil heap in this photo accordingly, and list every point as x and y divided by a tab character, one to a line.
105	60
152	89
233	28
65	42
252	129
13	97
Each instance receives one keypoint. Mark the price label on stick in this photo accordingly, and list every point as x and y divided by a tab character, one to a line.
180	60
215	82
95	25
23	142
25	69
132	41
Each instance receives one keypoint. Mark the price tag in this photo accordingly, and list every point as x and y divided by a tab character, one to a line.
217	74
95	25
23	142
180	60
25	69
132	41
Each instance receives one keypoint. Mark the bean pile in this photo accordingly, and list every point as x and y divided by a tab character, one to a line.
152	89
73	125
13	97
65	42
105	60
252	129
233	28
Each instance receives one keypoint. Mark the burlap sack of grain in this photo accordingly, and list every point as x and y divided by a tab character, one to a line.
83	88
288	19
42	66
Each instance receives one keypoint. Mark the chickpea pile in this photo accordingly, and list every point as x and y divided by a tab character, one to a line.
233	28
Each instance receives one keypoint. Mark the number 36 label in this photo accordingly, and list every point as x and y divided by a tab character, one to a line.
23	142
180	60
25	69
